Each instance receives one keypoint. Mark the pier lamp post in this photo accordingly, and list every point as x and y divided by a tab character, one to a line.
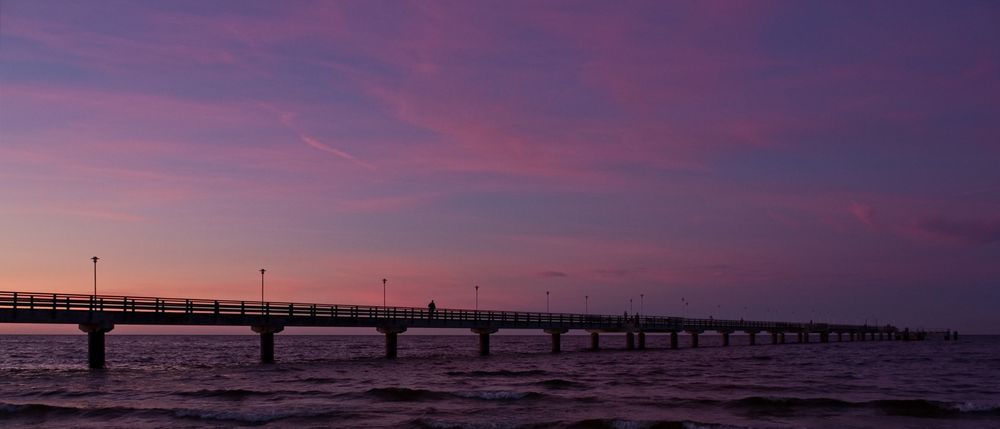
477	298
630	305
383	291
262	287
546	301
95	274
586	304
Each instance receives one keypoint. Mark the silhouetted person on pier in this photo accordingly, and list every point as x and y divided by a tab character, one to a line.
430	309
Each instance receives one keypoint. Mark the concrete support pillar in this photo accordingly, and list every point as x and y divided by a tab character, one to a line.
954	335
267	340
391	339
629	340
824	337
873	336
484	339
753	338
881	336
642	340
95	349
595	341
95	342
782	338
840	337
673	340
725	339
694	339
484	344
774	338
556	338
852	336
267	347
800	337
391	345
805	336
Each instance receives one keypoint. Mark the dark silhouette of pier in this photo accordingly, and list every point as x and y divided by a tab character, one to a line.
99	314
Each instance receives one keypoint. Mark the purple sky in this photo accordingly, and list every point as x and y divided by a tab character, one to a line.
783	160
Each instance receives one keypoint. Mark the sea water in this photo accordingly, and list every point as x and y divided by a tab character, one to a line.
441	382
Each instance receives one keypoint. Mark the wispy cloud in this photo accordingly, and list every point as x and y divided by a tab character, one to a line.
319	145
978	231
616	272
552	274
287	119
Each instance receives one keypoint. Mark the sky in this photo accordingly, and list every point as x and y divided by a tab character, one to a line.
791	160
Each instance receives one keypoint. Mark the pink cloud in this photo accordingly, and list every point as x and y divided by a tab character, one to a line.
99	214
385	204
865	214
975	232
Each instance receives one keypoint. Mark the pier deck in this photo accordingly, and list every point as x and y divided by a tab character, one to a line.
98	314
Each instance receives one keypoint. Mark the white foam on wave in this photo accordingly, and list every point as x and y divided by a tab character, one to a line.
972	407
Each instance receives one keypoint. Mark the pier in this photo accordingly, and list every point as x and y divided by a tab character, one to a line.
97	315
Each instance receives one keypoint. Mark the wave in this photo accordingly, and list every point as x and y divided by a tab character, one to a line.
41	411
402	394
225	393
240	394
784	402
319	380
500	373
33	410
558	383
425	423
254	417
898	407
59	392
499	395
925	408
654	424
